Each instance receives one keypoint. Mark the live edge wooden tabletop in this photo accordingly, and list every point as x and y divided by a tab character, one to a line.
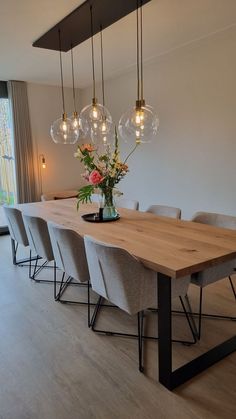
172	247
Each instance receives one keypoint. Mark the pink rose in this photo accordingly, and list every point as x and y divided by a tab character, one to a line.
95	178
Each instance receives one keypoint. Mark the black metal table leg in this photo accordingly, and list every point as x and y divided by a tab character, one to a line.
172	379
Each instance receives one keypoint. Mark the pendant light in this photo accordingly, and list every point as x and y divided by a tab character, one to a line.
92	115
75	116
139	123
62	130
104	131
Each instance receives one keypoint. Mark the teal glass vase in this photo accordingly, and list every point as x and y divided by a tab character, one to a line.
109	209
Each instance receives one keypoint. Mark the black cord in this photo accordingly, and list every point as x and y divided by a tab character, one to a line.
138	70
92	49
141	46
73	76
102	67
62	85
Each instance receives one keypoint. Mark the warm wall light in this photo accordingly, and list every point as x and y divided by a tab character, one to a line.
43	161
41	166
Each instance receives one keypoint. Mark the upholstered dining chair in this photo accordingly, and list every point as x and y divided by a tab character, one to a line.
123	280
17	233
69	254
215	273
119	202
40	243
165	211
127	203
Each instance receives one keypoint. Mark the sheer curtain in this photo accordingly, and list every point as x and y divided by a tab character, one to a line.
23	146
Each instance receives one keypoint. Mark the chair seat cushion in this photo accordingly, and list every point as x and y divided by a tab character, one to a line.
214	273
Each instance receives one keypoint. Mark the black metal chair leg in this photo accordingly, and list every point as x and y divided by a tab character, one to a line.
232	286
95	313
140	340
55	281
194	332
13	249
191	315
200	314
88	290
35	268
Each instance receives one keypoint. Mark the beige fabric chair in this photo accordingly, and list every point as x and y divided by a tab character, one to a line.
40	243
215	273
17	232
119	202
123	280
126	203
69	254
165	211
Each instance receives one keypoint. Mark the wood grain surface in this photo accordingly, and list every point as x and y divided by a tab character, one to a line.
172	247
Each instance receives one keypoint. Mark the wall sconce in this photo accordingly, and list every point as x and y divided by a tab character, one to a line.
43	161
41	166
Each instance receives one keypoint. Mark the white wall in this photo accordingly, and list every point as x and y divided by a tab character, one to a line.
192	163
63	170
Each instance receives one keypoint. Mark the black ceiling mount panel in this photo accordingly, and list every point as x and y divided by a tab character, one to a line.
76	28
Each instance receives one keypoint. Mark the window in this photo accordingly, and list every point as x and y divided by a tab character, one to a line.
7	169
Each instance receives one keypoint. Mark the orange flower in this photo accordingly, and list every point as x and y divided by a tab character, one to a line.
87	147
121	166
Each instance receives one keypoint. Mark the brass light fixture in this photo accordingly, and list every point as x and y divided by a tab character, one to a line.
93	116
139	123
62	130
104	132
75	116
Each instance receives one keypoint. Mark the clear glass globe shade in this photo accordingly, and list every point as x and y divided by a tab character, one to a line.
63	132
104	133
91	116
140	125
76	124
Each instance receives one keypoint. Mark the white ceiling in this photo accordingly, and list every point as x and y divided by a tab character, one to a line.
168	24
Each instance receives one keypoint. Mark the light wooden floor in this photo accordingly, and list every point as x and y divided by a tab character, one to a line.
53	367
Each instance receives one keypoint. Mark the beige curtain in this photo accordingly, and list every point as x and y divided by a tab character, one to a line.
22	139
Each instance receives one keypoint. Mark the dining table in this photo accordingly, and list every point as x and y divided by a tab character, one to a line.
172	248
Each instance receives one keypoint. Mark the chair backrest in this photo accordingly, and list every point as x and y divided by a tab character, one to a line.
165	211
38	236
119	277
59	195
16	225
217	272
126	203
214	219
69	252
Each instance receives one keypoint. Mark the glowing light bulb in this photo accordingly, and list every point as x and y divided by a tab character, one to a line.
137	118
75	123
64	126
95	113
104	127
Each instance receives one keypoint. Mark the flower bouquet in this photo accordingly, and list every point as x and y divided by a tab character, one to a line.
102	172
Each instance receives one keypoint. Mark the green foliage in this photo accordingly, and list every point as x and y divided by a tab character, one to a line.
84	195
103	171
